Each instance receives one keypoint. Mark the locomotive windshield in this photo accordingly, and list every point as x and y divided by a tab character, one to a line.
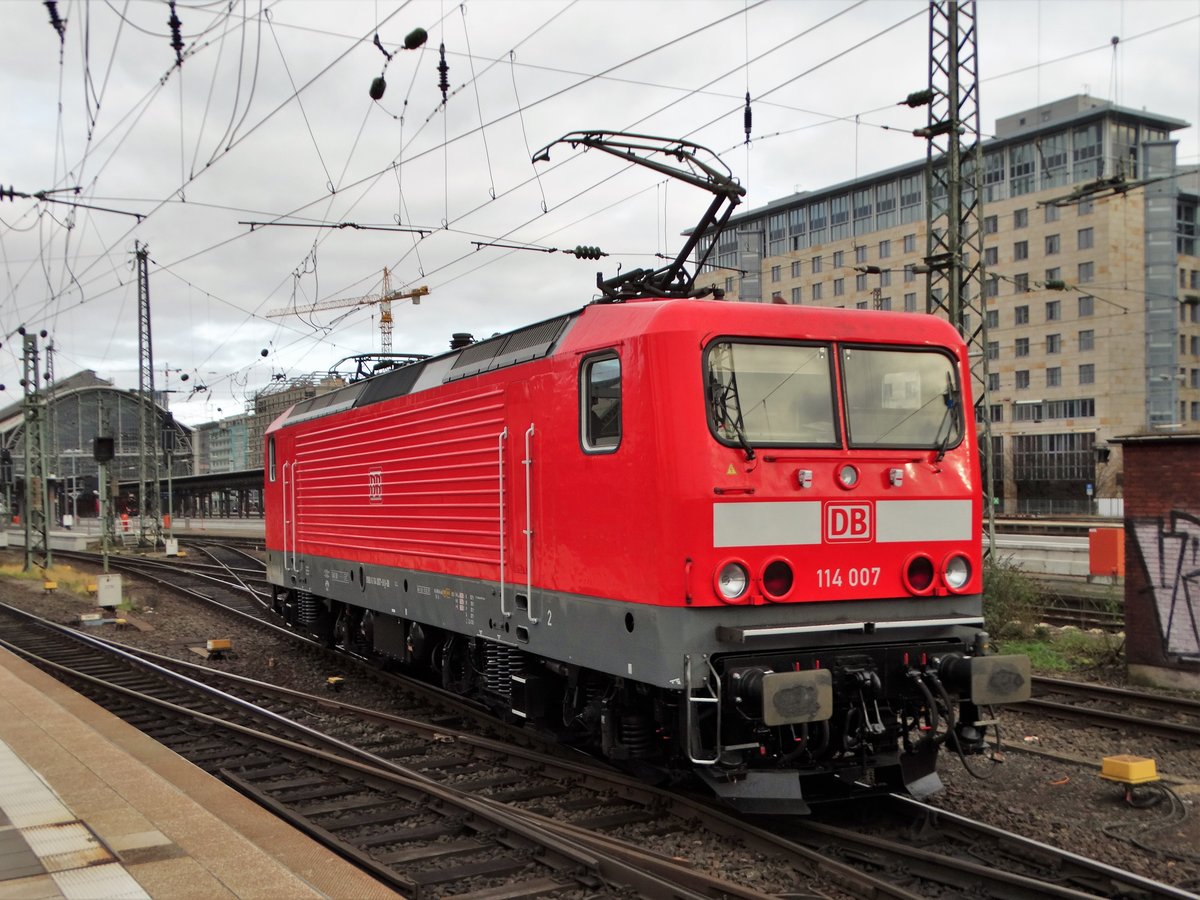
772	394
901	398
783	394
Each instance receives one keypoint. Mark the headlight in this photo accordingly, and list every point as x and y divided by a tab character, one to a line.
732	581
847	476
957	572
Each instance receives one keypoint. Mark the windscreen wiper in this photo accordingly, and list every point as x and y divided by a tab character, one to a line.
727	409
949	419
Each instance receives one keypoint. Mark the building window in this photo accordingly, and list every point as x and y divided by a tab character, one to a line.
1085	238
1052	210
885	278
885	249
816	264
796	269
816	291
1021	161
993	350
861	304
912	198
776	275
729	285
1087	306
910	243
997	410
1053	343
860	282
884	303
991	287
993	381
1021	283
1087	373
1053	310
885	205
860	254
1053	241
796	296
910	273
1087	340
1021	315
839	286
1021	347
991	224
1085	207
1053	376
839	259
1054	274
839	218
910	302
993	318
1020	218
1020	251
991	256
1022	379
1027	412
1087	272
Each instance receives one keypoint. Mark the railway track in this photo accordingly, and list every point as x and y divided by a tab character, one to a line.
572	799
420	836
1176	718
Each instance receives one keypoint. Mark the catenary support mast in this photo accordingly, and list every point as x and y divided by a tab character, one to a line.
150	528
954	204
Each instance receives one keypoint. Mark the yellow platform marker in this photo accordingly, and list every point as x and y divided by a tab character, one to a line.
218	648
334	682
49	586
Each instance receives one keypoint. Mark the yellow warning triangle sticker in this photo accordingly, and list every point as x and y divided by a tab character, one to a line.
731	470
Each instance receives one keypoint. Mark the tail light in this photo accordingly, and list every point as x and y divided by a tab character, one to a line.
919	574
777	579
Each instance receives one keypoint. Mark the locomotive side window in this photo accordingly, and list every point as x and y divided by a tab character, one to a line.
271	457
901	398
600	395
771	394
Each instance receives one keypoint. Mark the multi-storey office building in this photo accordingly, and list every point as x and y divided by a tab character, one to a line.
1093	306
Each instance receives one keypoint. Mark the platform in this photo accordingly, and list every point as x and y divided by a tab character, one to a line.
92	808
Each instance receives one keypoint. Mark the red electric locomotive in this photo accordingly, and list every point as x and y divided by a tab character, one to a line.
738	538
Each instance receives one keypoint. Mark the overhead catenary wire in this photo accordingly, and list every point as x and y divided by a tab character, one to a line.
457	219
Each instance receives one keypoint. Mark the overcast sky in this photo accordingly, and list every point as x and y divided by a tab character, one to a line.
269	119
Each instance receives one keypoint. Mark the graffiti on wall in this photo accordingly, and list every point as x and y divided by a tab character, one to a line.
1171	553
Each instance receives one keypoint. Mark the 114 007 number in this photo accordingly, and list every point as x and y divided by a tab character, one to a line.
862	576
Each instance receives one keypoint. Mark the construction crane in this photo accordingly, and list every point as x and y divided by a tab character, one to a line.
384	299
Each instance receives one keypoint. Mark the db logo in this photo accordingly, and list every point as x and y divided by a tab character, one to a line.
849	522
375	485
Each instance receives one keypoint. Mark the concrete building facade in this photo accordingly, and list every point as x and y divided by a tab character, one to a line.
1092	286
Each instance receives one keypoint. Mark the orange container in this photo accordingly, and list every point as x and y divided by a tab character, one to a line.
1106	551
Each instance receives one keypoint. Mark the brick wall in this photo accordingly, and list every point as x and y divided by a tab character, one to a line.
1162	551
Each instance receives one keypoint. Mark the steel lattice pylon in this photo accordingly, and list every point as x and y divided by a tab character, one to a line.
954	204
150	528
37	487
